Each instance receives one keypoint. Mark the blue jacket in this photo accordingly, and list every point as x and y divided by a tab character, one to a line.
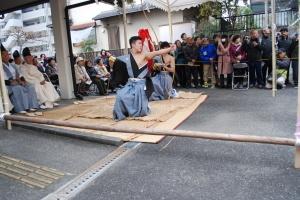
206	52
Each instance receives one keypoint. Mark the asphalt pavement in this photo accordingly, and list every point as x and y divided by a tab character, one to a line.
189	169
179	168
70	156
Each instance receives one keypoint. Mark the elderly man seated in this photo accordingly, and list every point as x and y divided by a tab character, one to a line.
83	80
21	94
45	91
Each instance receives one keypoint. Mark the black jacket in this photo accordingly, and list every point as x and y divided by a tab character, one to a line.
190	52
266	46
284	43
294	50
91	72
254	53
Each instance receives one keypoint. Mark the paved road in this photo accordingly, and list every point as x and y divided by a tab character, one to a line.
200	169
70	156
183	168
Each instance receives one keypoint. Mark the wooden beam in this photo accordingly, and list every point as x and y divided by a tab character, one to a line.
178	133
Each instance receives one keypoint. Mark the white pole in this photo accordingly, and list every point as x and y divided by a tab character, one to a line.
125	27
298	110
4	93
170	22
266	14
274	75
297	134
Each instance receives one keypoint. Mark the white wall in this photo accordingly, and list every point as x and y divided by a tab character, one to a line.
178	29
137	21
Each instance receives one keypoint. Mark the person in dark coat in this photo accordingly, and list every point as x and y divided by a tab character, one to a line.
295	58
181	61
266	45
253	50
191	55
95	77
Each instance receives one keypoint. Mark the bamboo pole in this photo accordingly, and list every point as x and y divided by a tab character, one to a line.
178	133
4	94
274	75
297	134
170	22
125	27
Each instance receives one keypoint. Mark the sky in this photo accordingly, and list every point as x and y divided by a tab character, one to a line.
85	14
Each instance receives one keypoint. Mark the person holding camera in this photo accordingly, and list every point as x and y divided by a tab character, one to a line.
253	49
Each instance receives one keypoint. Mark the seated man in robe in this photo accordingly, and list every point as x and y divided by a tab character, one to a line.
45	91
21	94
132	99
17	59
163	80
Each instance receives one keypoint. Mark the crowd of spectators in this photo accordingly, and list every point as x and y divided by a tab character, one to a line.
209	62
200	62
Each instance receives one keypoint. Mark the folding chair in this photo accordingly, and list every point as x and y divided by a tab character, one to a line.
93	90
240	70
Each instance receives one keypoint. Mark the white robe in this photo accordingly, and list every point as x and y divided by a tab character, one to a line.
45	93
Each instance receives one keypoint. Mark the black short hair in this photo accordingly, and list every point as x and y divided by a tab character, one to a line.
215	36
224	36
182	34
133	39
98	60
235	37
164	45
284	30
50	59
195	38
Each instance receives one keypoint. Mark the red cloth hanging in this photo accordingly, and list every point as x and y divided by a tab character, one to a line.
148	45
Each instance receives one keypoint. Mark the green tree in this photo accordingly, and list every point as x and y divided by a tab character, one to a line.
228	9
86	46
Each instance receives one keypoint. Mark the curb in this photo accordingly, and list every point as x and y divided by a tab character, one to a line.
71	133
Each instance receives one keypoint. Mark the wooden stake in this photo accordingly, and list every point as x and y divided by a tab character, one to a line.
297	157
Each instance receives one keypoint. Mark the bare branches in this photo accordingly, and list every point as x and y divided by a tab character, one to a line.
21	37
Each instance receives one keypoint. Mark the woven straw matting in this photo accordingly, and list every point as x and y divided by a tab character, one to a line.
167	114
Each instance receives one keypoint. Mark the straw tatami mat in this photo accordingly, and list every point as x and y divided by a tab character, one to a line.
166	114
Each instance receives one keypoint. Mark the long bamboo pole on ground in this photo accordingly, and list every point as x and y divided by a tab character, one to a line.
4	93
178	133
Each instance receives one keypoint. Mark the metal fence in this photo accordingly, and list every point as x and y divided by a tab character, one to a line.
253	21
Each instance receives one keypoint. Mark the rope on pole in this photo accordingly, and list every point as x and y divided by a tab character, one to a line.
177	133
